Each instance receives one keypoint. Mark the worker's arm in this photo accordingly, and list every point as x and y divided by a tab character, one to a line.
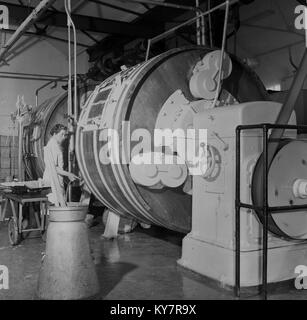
69	175
59	168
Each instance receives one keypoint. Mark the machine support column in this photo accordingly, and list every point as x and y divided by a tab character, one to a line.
265	213
238	227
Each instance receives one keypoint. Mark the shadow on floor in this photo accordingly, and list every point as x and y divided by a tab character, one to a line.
162	234
110	270
110	276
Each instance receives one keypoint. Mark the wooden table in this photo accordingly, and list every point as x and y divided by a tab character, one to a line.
15	223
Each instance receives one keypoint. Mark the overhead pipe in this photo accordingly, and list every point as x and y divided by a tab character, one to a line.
36	76
27	78
27	23
163	4
172	30
103	3
47	36
163	35
46	85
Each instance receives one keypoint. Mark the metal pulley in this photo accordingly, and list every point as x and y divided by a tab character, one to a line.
204	81
287	180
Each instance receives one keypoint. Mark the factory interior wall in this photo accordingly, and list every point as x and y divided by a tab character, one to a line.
35	56
266	49
266	38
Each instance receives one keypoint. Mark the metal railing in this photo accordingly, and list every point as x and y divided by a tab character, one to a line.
186	23
265	208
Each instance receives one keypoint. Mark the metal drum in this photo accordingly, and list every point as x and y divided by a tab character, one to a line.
137	95
36	133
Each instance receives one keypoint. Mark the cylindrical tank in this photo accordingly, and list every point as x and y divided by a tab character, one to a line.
137	95
67	270
36	133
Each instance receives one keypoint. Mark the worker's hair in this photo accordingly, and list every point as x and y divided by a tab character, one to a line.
57	128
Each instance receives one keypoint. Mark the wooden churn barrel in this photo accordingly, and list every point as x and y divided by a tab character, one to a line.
137	95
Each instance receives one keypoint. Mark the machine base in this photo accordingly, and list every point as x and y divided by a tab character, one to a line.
218	263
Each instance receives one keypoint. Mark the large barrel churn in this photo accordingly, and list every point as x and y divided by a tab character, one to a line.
36	132
137	95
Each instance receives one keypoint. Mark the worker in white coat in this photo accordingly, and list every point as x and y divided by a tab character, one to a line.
58	134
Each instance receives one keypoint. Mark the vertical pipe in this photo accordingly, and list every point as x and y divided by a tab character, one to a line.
148	49
222	54
198	36
13	143
238	222
20	175
10	155
210	24
69	100
265	213
69	106
36	99
75	79
75	106
203	31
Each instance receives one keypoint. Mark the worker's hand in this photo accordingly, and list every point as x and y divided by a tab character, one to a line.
72	177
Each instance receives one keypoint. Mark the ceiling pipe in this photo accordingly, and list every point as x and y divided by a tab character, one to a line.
33	75
163	4
103	3
28	22
47	36
4	76
186	23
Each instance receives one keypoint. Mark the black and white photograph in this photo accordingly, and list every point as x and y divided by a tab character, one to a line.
153	153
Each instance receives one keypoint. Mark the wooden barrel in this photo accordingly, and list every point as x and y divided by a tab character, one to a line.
36	133
137	95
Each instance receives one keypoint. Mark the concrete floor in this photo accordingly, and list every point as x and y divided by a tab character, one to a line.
139	265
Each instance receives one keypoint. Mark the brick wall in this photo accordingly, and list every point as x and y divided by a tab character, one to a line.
8	156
